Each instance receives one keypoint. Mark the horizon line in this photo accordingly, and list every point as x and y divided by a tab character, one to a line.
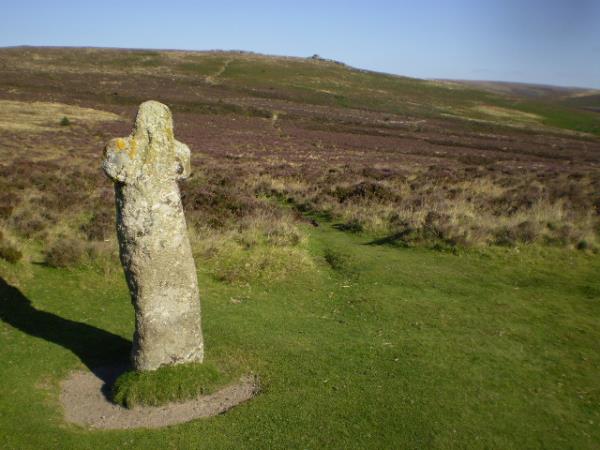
319	58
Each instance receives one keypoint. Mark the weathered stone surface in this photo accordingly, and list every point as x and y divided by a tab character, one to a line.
153	242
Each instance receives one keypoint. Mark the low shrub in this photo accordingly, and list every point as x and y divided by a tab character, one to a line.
8	201
104	256
505	236
65	252
363	190
100	226
527	232
10	253
28	223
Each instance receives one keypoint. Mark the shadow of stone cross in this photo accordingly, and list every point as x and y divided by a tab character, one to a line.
93	346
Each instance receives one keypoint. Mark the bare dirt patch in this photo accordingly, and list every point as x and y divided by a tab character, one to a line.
84	399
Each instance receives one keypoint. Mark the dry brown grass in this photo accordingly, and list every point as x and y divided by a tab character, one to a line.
507	114
464	211
34	117
261	247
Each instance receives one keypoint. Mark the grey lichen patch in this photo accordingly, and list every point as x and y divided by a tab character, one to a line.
153	242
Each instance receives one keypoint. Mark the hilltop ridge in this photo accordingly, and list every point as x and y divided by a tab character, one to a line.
244	80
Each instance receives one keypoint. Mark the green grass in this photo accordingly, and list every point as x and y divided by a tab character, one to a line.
413	348
167	384
560	116
340	262
338	85
203	65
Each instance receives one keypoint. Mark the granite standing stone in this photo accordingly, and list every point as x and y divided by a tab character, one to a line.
153	243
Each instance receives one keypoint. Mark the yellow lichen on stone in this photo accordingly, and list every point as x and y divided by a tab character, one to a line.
121	144
132	151
169	132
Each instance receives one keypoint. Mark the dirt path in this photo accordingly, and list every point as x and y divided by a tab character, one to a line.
212	79
85	403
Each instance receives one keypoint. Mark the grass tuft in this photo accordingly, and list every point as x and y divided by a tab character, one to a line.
167	384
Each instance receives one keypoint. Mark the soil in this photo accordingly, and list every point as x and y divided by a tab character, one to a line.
85	402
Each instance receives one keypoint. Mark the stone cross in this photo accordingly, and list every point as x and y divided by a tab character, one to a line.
153	243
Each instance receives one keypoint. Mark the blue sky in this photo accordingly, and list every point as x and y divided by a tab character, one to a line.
552	41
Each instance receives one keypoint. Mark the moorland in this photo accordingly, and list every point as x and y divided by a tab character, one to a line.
405	263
